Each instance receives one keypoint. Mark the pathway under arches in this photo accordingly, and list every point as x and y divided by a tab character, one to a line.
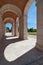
21	12
23	20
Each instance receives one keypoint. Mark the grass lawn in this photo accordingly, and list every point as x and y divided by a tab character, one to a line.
32	33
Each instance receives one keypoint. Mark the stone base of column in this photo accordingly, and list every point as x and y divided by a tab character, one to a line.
39	47
13	34
23	38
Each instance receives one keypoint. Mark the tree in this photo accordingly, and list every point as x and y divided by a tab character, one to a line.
32	30
7	29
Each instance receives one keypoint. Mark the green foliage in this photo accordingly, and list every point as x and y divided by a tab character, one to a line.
32	30
8	30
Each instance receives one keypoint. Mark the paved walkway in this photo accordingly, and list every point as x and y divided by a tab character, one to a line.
14	51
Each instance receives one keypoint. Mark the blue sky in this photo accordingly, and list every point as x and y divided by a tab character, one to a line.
8	25
31	20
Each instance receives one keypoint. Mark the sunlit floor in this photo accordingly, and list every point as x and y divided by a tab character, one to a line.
8	34
17	49
14	51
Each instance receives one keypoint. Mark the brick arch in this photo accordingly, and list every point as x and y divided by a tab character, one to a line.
24	18
28	6
11	21
12	8
9	14
1	29
8	20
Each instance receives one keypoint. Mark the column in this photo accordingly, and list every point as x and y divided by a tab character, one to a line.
17	20
14	29
39	43
1	29
4	29
23	27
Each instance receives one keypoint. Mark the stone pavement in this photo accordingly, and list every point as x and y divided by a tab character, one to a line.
14	51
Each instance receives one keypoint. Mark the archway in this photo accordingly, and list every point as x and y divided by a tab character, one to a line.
12	22
23	20
11	8
25	17
39	4
23	24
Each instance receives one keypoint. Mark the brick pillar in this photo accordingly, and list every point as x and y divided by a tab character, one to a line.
23	27
1	29
5	30
39	44
17	20
14	29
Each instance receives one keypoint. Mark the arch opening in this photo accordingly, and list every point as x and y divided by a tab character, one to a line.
32	19
24	25
8	29
10	22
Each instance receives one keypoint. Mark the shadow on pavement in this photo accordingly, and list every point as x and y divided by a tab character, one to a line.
32	57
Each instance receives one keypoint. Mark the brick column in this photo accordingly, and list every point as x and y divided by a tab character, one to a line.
23	27
39	44
1	29
14	29
17	20
5	30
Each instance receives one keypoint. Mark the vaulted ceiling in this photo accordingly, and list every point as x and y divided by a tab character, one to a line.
9	14
19	3
9	21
